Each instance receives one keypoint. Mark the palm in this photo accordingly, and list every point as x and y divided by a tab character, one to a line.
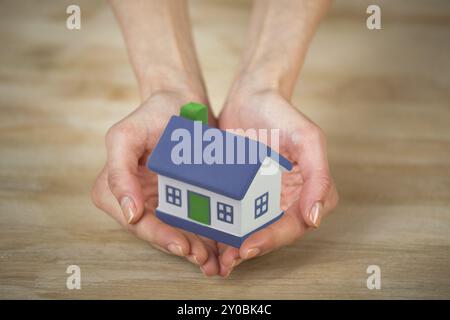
292	181
288	120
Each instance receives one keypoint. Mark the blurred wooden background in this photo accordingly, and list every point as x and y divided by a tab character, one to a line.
382	97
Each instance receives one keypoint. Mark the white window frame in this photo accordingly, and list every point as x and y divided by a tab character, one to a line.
225	212
173	195
261	205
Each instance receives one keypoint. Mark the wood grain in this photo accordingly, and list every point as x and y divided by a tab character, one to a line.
382	98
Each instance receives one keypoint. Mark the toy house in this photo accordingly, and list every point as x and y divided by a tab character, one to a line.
224	200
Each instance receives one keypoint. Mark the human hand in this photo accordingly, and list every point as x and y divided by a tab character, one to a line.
127	191
308	192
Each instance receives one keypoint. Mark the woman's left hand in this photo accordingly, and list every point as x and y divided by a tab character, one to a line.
308	191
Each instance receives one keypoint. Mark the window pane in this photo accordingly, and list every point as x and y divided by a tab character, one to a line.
261	204
173	196
224	212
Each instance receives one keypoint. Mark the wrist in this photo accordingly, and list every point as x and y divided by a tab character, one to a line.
248	85
254	77
157	79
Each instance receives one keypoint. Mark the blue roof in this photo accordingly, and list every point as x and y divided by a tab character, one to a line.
231	180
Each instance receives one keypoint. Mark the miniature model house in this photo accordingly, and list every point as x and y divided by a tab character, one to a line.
224	200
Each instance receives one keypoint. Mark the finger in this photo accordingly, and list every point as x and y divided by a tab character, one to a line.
149	228
125	144
281	233
221	247
212	244
199	252
229	259
332	199
310	152
230	256
315	200
152	230
211	265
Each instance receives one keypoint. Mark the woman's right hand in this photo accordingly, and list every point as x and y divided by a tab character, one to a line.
127	191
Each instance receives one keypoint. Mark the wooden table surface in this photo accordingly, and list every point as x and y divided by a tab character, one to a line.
381	96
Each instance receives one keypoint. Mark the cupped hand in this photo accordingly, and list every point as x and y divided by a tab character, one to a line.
127	191
308	192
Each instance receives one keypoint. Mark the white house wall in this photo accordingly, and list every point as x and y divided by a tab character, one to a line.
182	211
260	185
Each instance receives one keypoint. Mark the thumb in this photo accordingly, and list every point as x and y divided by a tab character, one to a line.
125	186
314	199
317	183
124	150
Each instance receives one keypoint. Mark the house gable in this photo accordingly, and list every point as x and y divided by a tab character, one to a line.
262	183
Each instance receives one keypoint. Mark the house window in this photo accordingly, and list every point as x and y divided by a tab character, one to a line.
173	196
261	205
224	212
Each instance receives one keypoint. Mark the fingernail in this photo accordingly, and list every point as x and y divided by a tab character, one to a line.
175	249
316	214
228	273
252	253
193	259
225	270
128	208
235	263
204	272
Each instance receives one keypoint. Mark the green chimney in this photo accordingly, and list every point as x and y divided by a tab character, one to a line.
195	111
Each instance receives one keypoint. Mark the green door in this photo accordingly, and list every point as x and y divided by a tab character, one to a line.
198	207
